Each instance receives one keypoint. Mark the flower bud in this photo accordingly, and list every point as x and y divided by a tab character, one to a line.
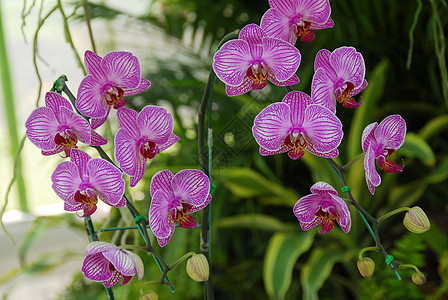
416	220
198	268
366	266
149	295
418	278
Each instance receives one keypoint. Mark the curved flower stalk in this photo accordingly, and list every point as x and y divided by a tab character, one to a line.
246	63
56	127
174	198
292	19
81	181
339	75
296	124
109	79
378	143
323	207
109	264
141	137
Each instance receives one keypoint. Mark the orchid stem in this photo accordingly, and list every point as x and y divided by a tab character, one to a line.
373	229
391	213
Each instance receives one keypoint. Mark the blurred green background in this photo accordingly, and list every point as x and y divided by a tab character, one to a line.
258	249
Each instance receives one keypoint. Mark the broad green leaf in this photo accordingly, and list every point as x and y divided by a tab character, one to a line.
440	174
434	127
245	183
253	221
282	253
317	269
415	146
407	194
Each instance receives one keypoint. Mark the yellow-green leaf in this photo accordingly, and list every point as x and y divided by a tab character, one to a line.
415	146
252	221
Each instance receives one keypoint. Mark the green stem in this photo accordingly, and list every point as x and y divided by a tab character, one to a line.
350	163
181	259
89	28
206	168
391	213
363	250
10	115
365	215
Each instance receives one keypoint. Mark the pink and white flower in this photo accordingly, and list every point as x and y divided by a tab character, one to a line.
174	198
81	181
296	124
141	137
248	62
323	206
292	19
109	264
56	127
378	143
108	80
339	75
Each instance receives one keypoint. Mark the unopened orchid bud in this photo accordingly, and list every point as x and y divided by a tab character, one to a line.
366	266
149	295
416	220
198	268
418	278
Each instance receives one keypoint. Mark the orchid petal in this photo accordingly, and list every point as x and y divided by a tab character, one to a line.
42	126
322	60
96	267
199	207
306	207
322	90
297	102
80	159
75	122
276	24
252	33
271	126
92	62
116	277
391	132
121	261
66	180
372	177
98	247
282	58
287	7
140	165
310	225
231	62
317	11
161	181
96	139
155	123
349	65
163	241
54	101
122	69
160	219
282	149
127	119
368	136
97	122
322	189
322	128
142	86
294	79
326	225
89	101
106	179
138	263
192	186
126	151
243	88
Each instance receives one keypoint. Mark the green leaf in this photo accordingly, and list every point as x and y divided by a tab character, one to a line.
317	269
252	221
282	253
440	174
433	127
416	146
246	183
407	194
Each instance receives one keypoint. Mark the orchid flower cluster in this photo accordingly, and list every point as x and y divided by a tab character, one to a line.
81	181
299	124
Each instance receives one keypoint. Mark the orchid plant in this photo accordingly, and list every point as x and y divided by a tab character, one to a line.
257	57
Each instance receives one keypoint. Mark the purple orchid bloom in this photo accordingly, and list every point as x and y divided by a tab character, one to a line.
323	207
109	79
246	63
339	75
141	137
292	19
56	127
378	143
174	197
295	124
81	181
109	264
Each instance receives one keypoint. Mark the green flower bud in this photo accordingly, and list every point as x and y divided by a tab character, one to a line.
416	220
198	268
149	295
418	278
366	266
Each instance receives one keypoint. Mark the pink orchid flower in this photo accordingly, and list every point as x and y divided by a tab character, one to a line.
109	79
141	137
378	143
339	75
81	181
323	207
292	19
296	124
174	198
56	127
109	264
246	63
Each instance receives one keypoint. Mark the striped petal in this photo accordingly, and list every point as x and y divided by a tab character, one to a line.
160	219
271	126
41	127
121	261
193	186
276	24
368	136
372	177
282	58
391	132
142	86
106	179
348	64
155	123
92	62
89	101
127	119
252	33
306	207
98	247
66	181
297	102
122	69
161	181
322	90
96	267
243	88
126	151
